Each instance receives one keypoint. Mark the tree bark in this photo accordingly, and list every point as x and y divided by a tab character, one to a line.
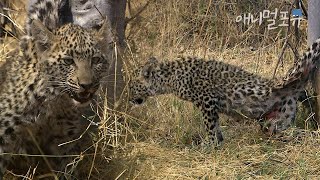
115	83
313	34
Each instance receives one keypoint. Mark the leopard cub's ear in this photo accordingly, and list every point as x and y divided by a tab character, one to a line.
147	71
105	34
106	40
42	36
25	43
149	67
153	60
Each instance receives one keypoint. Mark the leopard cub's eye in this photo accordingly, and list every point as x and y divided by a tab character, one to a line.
68	61
96	60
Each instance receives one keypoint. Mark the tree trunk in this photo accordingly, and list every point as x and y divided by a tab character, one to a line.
313	34
115	84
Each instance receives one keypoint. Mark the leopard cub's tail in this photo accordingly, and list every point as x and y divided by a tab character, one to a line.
48	12
298	76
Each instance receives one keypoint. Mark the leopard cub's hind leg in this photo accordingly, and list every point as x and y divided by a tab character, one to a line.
211	121
282	117
210	109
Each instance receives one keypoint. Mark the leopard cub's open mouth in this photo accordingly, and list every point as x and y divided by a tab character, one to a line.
137	101
82	97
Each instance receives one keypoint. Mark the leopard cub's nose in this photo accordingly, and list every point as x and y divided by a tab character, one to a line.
86	86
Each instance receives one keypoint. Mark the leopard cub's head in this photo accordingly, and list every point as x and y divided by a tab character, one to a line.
73	59
146	82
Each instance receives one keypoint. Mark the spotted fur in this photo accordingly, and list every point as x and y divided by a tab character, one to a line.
58	120
216	87
56	69
60	135
52	13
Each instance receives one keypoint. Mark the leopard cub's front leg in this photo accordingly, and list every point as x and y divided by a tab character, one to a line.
10	144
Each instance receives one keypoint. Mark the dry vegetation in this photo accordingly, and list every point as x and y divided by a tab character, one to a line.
156	140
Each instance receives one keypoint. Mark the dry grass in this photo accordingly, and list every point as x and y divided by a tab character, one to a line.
156	140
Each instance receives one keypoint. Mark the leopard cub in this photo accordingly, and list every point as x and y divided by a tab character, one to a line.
216	87
60	66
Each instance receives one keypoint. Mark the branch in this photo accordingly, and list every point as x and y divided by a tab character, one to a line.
296	28
285	45
280	59
295	52
305	12
138	13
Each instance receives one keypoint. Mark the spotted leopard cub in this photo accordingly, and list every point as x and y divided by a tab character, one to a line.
216	87
68	62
